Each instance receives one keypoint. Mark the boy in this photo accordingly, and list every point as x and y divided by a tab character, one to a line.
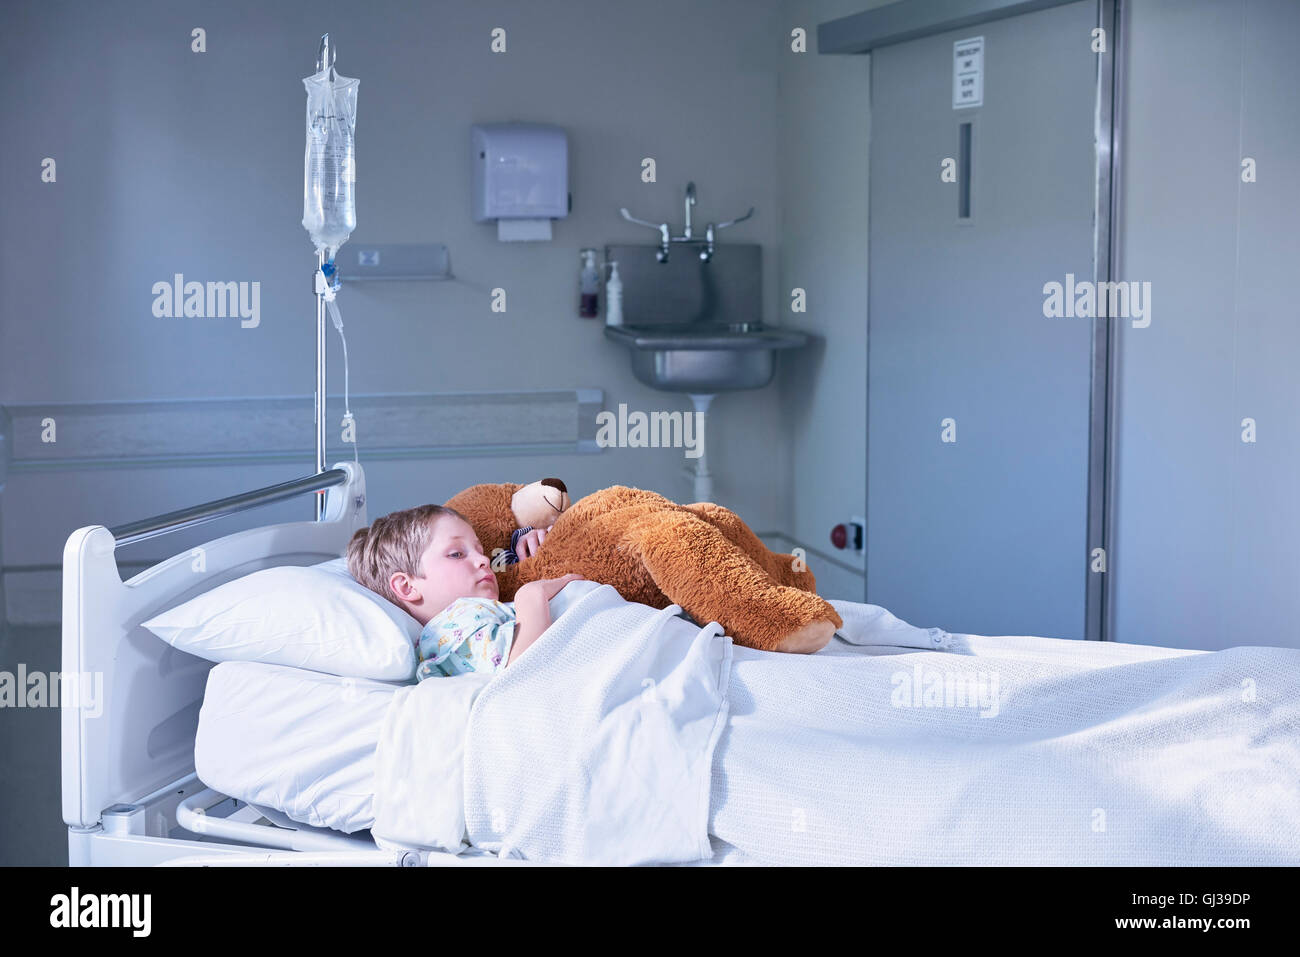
428	561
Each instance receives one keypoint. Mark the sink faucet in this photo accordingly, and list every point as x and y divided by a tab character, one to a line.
666	237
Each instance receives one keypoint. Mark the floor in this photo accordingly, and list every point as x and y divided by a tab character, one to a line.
32	831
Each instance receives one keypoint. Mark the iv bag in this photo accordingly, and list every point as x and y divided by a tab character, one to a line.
329	205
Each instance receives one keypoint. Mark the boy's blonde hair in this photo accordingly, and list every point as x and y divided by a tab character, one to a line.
393	543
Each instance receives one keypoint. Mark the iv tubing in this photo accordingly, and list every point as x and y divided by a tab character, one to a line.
347	400
320	384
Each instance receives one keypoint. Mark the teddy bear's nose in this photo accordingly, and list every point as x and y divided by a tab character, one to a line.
555	483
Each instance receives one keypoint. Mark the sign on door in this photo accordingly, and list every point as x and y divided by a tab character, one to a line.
968	73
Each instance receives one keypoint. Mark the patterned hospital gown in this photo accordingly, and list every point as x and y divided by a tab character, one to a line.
470	634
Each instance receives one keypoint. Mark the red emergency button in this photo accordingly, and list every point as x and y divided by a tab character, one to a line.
847	535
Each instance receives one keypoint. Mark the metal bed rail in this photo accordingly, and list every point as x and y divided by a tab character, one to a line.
210	511
303	859
304	845
192	814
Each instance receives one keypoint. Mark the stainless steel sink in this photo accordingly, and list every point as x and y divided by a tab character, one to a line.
704	357
691	326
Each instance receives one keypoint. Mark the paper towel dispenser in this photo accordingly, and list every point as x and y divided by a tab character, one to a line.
521	177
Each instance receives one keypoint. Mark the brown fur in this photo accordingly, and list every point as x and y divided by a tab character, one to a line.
657	552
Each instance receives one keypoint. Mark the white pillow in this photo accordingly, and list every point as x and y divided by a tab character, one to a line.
314	617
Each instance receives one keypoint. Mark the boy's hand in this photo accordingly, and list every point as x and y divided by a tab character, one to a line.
544	589
529	542
534	613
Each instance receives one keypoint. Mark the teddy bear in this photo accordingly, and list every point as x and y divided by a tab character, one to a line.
654	551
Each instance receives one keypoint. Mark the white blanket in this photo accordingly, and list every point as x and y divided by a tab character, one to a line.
594	747
419	765
1010	751
627	735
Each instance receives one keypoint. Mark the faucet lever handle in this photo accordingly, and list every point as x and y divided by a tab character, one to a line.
641	222
732	222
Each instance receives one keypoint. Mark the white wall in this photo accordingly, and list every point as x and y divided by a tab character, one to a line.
1205	553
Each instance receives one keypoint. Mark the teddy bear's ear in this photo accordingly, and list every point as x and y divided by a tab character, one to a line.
487	509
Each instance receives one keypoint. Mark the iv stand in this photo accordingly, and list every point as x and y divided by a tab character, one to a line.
324	60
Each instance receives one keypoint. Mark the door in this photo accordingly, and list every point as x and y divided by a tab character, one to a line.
978	403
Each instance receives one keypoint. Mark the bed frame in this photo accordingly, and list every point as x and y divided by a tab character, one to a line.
130	793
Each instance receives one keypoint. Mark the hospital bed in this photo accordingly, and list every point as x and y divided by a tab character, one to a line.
1093	753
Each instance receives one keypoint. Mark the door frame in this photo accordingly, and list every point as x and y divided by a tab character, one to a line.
1098	606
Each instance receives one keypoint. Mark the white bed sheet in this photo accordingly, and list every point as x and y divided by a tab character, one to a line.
301	742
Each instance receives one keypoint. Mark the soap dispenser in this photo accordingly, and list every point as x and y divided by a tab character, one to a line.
614	296
589	285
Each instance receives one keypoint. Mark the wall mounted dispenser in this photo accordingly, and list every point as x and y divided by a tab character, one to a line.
521	178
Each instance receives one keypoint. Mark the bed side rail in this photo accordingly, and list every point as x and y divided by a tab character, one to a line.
210	511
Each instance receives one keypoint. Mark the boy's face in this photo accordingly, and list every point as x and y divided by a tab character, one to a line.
453	566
